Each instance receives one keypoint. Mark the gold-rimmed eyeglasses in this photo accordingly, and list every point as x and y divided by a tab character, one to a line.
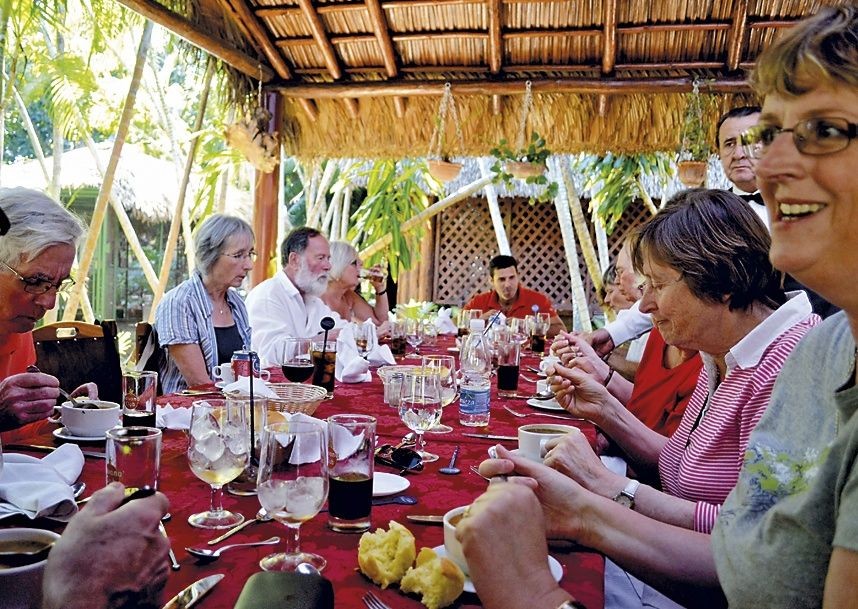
242	255
815	136
37	285
657	288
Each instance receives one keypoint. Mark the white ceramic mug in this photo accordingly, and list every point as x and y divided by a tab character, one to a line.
224	373
21	586
451	544
533	438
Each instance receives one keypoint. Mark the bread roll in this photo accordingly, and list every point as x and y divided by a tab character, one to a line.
439	580
385	556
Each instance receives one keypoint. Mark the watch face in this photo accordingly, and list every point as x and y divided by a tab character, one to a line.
624	500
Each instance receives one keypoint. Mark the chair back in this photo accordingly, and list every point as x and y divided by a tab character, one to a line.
148	353
77	352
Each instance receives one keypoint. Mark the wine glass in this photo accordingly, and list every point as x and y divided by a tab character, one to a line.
362	337
518	328
218	452
414	335
295	360
292	485
445	367
420	406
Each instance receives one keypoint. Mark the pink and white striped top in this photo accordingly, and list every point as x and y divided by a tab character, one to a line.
701	463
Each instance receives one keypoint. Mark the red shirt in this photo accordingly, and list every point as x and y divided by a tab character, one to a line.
520	307
661	394
16	353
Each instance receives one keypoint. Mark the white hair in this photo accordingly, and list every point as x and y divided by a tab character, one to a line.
37	222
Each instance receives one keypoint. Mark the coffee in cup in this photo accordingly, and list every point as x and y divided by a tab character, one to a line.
533	438
451	544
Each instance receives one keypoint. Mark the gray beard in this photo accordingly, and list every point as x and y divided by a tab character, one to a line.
309	284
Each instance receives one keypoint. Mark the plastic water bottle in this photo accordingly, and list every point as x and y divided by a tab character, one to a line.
476	366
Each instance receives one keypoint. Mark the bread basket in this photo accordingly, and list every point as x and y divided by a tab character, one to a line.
296	397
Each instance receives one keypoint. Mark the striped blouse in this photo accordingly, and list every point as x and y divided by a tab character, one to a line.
700	462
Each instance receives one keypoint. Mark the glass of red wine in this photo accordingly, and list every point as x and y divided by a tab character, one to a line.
295	360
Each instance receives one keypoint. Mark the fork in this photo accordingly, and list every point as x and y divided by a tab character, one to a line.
521	415
373	602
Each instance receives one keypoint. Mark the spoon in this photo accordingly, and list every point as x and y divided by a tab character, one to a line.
306	568
208	554
62	391
451	469
261	516
78	488
399	499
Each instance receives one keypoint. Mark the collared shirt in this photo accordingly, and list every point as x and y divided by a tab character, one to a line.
754	201
184	317
278	310
701	460
520	307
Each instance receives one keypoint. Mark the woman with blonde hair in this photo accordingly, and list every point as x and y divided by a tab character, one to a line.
344	277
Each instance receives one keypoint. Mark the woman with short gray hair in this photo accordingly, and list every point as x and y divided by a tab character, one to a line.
343	278
203	320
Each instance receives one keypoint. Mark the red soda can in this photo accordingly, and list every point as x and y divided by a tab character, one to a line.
243	362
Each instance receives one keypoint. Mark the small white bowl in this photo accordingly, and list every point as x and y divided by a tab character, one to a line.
90	422
21	587
451	544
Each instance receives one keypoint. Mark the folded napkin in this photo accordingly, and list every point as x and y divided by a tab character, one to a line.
344	444
40	488
443	323
615	464
169	417
242	387
350	366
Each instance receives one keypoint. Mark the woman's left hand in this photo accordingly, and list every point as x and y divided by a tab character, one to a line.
573	456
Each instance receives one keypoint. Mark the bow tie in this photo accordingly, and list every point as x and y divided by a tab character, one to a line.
755	197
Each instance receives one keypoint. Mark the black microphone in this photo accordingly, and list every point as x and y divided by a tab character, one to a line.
327	323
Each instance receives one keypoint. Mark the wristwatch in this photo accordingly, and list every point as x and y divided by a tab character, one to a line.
626	496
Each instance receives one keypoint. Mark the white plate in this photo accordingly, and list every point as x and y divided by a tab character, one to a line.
556	569
64	434
453	349
545	404
384	484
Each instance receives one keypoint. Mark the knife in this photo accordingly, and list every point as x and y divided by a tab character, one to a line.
50	449
426	518
489	436
193	593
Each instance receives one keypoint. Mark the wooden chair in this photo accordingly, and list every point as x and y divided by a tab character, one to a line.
144	333
78	352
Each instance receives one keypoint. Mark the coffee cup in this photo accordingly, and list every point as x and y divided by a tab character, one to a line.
533	438
264	375
20	579
224	373
451	544
547	362
542	387
89	418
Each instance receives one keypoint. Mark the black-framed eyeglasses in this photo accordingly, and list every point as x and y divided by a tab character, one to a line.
399	457
242	255
815	136
37	285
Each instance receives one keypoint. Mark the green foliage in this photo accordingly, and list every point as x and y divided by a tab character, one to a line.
694	141
535	152
616	180
394	194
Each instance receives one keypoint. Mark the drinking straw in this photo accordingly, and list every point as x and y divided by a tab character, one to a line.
491	322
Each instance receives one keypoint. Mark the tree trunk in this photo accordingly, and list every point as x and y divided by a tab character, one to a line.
106	186
494	210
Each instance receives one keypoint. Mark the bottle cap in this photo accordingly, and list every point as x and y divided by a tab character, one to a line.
477	325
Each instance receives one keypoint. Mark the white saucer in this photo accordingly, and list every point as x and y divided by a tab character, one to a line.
222	384
453	349
545	404
64	434
556	568
384	484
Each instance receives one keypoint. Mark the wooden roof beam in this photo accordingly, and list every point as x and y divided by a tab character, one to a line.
388	54
609	36
737	35
258	34
495	39
509	87
183	28
320	36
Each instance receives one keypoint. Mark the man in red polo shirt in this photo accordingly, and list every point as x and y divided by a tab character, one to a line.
510	297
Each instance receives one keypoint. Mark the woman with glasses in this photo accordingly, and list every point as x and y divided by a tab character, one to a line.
343	278
203	320
36	257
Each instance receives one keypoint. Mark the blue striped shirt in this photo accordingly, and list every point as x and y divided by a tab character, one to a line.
184	317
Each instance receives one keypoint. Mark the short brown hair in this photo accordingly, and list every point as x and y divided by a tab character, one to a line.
718	244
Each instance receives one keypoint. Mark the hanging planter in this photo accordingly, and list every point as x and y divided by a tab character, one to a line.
251	137
692	173
438	164
523	170
695	147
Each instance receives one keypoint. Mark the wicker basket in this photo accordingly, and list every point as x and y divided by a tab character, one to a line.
296	397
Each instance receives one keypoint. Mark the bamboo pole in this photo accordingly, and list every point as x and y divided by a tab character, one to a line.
320	204
432	210
107	185
494	210
426	264
601	240
347	203
327	223
179	214
337	208
646	198
31	133
587	249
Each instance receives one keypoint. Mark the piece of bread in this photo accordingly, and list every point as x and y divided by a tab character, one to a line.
385	556
438	579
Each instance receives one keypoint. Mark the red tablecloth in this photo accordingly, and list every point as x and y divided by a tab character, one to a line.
583	571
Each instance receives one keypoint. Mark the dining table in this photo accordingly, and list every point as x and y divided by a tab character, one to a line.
582	569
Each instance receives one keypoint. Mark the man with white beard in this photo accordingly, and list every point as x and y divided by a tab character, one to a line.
288	304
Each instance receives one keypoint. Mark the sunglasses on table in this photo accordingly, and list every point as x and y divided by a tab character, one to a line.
399	457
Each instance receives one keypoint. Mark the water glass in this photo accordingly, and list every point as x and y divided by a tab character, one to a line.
362	334
351	442
218	452
133	457
519	330
257	418
295	359
392	389
139	390
420	406
292	485
445	367
414	335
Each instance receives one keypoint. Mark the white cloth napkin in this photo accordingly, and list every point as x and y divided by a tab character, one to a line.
350	366
344	443
615	464
443	323
40	488
242	387
170	417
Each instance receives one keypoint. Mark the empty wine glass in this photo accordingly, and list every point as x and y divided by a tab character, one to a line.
420	406
445	367
295	360
218	452
414	335
518	328
292	485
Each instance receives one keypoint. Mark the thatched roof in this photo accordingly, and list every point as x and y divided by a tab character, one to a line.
364	77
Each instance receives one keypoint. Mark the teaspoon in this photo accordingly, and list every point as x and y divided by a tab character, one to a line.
261	516
451	469
208	554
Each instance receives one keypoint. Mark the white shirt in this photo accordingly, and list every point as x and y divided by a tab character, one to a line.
758	208
278	310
